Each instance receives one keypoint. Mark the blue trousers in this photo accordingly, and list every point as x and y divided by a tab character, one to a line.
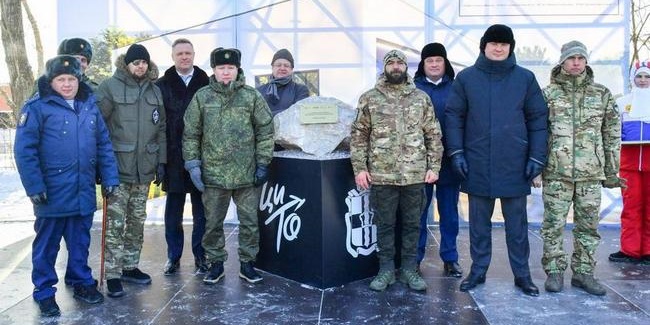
45	248
174	225
447	204
480	233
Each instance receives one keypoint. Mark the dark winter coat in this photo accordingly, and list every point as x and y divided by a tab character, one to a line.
58	151
135	117
176	97
438	94
289	94
496	115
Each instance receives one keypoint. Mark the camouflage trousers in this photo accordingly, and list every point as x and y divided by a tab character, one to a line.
385	200
558	197
216	202
125	228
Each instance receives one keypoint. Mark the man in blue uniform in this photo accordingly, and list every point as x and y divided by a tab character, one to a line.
61	141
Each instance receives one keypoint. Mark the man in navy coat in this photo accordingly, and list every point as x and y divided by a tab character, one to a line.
496	132
61	142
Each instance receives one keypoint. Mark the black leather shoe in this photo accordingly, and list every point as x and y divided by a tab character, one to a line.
471	281
171	267
527	286
202	266
453	270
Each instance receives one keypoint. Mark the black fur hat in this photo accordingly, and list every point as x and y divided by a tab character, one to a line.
221	56
76	46
500	34
62	64
435	49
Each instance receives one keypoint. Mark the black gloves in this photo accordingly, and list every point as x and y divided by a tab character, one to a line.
459	164
160	174
533	169
194	168
261	175
38	199
109	191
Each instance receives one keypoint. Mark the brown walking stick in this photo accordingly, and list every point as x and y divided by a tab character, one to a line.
103	244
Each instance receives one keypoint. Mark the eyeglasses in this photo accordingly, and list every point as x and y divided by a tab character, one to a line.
282	65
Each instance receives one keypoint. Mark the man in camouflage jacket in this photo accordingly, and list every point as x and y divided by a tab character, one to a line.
584	144
227	147
396	147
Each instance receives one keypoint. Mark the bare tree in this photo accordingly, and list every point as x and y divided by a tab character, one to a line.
37	38
13	41
639	29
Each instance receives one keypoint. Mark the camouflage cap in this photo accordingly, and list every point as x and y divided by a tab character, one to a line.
394	54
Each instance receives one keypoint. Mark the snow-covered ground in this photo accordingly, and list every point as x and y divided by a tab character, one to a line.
17	214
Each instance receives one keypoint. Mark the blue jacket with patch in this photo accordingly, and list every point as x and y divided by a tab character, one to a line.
58	150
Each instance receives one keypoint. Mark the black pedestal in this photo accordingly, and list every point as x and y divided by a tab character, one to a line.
315	228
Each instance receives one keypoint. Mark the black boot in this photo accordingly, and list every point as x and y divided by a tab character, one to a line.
136	276
114	287
214	274
49	307
88	293
248	273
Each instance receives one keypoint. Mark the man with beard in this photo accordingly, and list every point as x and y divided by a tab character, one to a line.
495	131
132	106
396	148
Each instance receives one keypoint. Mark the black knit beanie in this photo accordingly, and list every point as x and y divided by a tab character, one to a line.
500	34
136	52
76	46
283	54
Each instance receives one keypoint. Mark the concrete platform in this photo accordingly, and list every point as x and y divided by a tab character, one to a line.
184	299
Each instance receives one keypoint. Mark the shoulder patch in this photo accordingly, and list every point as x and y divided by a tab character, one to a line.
23	119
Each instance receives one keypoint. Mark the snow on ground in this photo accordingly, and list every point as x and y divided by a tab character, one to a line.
17	214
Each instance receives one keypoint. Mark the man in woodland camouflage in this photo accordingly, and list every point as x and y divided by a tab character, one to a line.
227	147
396	148
584	142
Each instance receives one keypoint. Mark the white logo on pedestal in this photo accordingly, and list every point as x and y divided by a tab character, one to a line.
361	234
288	227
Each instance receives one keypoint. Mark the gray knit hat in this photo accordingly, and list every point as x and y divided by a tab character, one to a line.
573	48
